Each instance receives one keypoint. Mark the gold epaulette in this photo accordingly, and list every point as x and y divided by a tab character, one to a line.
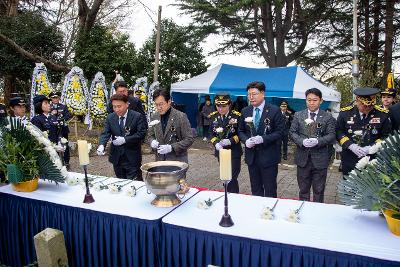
213	113
237	113
381	109
347	108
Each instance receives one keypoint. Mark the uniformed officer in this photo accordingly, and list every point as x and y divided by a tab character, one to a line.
62	114
225	135
389	94
18	108
360	126
43	119
288	121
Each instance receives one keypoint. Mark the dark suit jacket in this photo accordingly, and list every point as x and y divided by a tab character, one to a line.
269	152
135	132
48	124
394	112
134	104
325	132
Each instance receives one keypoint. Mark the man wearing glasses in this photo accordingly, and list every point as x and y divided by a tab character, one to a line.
170	134
224	123
261	127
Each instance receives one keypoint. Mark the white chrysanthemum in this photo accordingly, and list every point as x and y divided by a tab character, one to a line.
113	189
131	192
64	140
293	217
267	214
362	163
375	148
219	130
202	205
373	162
153	123
248	119
308	121
358	133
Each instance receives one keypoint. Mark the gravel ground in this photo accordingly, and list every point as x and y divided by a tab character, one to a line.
204	172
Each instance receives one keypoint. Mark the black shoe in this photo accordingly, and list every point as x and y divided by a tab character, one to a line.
284	157
67	166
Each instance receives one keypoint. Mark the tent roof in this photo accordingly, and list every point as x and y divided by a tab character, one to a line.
286	82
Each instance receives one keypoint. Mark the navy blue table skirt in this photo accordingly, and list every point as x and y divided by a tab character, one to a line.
92	238
190	247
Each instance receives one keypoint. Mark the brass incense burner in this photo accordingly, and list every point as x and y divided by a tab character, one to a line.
165	179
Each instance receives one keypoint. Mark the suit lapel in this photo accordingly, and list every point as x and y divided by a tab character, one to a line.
264	114
115	122
128	121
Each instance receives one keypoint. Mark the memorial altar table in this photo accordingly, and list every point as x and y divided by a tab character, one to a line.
115	230
327	235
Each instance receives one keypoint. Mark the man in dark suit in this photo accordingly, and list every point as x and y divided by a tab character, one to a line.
394	112
127	129
261	127
121	87
360	126
288	120
135	104
61	112
227	120
313	131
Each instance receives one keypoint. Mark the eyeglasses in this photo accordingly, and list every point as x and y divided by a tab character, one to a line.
253	94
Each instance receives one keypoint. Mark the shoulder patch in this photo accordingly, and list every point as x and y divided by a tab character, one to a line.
381	109
347	108
237	113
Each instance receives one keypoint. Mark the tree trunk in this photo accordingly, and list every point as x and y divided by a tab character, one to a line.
12	8
9	82
389	32
375	34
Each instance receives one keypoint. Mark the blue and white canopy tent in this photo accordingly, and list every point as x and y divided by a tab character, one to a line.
285	83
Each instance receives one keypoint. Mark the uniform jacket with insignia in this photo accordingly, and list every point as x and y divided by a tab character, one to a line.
47	123
352	129
62	114
229	123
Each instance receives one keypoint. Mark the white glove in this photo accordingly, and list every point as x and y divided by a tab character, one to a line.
250	143
359	151
60	148
366	149
100	151
218	146
164	149
306	142
225	142
312	142
258	139
118	141
154	144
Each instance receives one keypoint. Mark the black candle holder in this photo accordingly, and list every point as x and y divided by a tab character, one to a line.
226	220
88	196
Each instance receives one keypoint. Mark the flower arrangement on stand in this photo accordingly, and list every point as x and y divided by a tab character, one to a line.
98	94
75	93
375	184
40	84
22	157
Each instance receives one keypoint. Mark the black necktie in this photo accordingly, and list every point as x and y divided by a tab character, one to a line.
121	125
312	114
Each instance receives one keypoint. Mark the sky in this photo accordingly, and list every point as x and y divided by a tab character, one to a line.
141	26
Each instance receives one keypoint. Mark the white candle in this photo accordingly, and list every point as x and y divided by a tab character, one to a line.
225	165
83	152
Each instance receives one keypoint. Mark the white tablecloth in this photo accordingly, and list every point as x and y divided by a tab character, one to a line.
137	207
324	226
